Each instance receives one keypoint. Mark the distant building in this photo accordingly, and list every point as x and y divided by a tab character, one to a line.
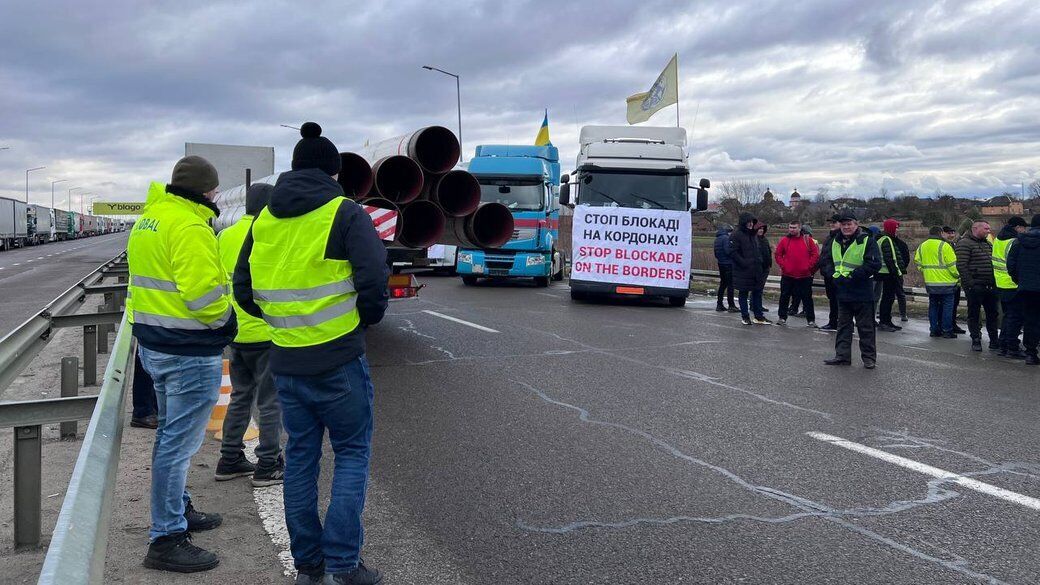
1001	205
796	200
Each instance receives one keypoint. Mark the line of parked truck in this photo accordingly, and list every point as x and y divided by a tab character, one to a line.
27	224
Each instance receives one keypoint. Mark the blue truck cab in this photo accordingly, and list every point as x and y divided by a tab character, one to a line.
526	179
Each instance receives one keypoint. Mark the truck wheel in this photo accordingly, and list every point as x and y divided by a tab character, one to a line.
677	301
541	281
577	295
469	280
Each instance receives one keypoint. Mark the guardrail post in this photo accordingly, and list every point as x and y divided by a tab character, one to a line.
89	355
28	485
69	387
102	332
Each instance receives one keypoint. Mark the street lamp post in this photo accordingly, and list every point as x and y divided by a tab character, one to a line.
69	200
288	126
53	183
458	97
27	171
82	196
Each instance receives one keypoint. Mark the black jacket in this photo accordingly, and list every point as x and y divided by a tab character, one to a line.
353	238
1024	261
903	251
767	261
975	262
746	256
858	288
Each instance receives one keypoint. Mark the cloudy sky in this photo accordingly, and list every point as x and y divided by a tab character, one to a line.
847	94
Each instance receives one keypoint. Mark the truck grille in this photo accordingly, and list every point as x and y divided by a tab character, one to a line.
498	264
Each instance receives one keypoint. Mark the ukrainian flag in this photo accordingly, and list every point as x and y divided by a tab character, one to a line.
543	133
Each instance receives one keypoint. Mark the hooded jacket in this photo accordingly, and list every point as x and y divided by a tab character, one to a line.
859	287
746	255
767	258
352	238
975	262
1024	261
722	247
797	256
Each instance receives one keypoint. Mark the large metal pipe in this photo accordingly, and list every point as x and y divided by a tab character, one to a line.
397	178
435	148
457	192
490	226
355	175
422	225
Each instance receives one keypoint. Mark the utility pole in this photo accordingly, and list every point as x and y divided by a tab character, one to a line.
53	183
458	99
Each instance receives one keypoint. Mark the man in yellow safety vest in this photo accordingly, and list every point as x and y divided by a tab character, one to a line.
937	261
314	268
1010	303
182	319
852	258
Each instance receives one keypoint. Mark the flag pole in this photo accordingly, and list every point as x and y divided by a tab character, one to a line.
677	91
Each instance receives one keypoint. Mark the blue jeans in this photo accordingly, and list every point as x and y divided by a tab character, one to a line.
341	402
940	312
186	388
756	303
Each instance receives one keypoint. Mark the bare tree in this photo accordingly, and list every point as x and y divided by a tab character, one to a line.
745	191
821	194
1034	189
883	192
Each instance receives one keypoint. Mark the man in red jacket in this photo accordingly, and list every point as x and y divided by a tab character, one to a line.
797	255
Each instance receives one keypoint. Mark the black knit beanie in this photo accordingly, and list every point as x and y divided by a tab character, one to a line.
314	151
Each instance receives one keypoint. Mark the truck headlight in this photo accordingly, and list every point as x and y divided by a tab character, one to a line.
465	258
535	260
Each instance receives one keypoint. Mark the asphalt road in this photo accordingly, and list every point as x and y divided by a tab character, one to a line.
32	277
618	443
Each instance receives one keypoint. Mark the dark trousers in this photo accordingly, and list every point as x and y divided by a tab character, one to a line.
901	297
145	403
756	303
832	300
1030	320
800	289
889	284
863	313
956	305
985	299
941	309
251	383
1011	325
726	284
338	402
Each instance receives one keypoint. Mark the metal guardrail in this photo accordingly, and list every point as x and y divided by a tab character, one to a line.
20	347
773	282
78	545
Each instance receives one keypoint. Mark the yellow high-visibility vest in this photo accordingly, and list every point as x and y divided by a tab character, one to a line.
852	259
937	261
230	240
999	259
882	242
176	280
306	298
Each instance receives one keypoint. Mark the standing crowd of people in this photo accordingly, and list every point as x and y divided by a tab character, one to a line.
863	272
308	273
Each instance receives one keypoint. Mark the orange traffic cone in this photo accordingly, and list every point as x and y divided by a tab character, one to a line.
216	418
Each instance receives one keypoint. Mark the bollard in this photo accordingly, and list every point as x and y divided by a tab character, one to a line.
69	387
28	485
102	333
89	355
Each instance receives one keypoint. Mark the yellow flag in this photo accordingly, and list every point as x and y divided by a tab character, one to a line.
542	139
664	92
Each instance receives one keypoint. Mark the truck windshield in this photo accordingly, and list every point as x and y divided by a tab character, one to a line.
518	194
642	190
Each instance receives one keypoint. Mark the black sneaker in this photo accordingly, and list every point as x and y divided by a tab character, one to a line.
837	361
888	328
904	319
267	476
145	422
994	345
719	308
310	578
745	321
958	330
201	521
870	365
733	310
1032	360
176	553
362	575
949	335
231	469
976	345
828	327
934	334
1015	354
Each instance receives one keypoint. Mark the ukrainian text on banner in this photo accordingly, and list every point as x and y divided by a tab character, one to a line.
640	247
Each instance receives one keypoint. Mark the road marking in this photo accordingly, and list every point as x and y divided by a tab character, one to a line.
17	264
972	484
467	323
271	509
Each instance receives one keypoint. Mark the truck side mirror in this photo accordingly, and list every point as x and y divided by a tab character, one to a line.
565	194
702	198
705	184
565	179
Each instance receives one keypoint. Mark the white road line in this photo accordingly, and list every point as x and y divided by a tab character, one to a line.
40	258
467	323
271	508
17	264
972	484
